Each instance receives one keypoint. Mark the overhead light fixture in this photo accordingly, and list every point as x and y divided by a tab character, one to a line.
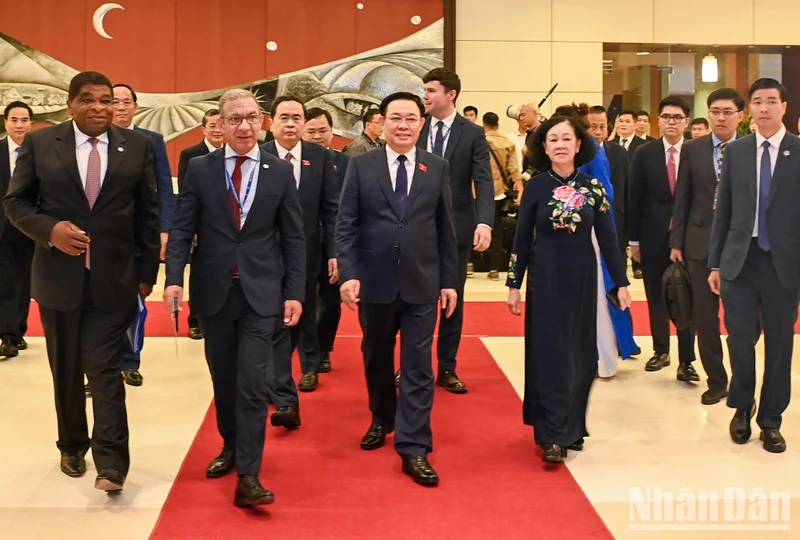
710	69
643	53
608	61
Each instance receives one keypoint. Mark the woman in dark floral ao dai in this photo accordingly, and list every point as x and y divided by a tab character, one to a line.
559	208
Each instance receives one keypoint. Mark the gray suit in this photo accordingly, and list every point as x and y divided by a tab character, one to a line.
759	287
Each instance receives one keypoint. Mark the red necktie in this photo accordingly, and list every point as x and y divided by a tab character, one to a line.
236	177
672	171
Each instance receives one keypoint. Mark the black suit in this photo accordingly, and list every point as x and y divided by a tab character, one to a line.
693	214
649	215
634	142
759	288
16	254
319	199
619	164
403	257
242	278
85	314
468	154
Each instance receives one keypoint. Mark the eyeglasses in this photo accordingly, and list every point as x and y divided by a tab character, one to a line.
727	113
672	118
235	120
409	121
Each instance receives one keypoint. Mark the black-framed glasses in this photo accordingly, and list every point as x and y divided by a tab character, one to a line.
235	120
672	118
727	113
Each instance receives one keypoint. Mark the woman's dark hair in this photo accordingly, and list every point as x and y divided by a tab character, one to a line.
576	110
585	154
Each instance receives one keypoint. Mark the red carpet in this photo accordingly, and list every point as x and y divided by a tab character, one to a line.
494	484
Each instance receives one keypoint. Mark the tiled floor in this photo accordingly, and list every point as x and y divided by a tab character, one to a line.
648	430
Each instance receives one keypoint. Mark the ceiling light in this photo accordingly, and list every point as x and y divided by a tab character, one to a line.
643	53
710	69
608	61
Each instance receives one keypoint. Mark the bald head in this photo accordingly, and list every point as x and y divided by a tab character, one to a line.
529	115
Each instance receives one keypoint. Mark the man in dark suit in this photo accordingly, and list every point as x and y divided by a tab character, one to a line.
125	107
213	138
396	244
754	257
87	290
642	129
692	216
249	272
625	133
449	135
318	190
319	129
16	249
653	178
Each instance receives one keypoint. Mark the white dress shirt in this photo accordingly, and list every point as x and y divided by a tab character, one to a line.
394	165
678	145
249	167
448	125
210	146
625	142
297	158
82	149
519	143
12	154
774	144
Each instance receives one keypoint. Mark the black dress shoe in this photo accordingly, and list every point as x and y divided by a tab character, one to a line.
195	332
450	381
325	363
308	382
740	424
637	273
132	377
773	441
686	373
73	464
8	349
222	465
250	492
109	480
22	344
420	471
577	445
287	417
657	362
376	436
636	352
554	453
397	378
710	397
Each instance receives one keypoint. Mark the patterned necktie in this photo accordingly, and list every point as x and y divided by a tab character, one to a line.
401	182
236	177
625	144
721	155
672	170
92	188
289	157
18	149
763	196
438	143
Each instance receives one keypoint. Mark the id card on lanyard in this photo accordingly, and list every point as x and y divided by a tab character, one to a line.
232	188
445	135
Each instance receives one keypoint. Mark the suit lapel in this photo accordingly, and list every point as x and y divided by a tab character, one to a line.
422	142
65	149
5	166
456	130
116	153
261	188
385	179
418	180
305	170
707	157
784	155
219	182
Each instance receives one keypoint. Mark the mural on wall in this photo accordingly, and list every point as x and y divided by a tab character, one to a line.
346	88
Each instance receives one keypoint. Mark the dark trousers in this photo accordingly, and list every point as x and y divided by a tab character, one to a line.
86	340
450	329
411	412
194	320
16	255
653	269
705	318
754	299
329	312
496	248
238	345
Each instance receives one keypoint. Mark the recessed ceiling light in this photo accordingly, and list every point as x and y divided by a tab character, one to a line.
643	53
608	61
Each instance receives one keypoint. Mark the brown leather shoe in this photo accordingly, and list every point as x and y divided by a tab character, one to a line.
222	465
376	436
450	381
421	471
554	453
308	382
287	417
250	492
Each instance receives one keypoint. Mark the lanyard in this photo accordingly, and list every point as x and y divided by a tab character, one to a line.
231	187
445	134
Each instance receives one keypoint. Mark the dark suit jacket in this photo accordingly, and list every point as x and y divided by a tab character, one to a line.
413	253
650	199
618	163
187	154
340	162
123	225
5	177
635	143
166	192
735	216
468	154
693	212
269	251
319	199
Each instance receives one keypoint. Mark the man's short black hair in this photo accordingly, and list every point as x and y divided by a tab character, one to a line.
316	112
209	114
630	112
87	78
370	114
18	105
445	77
491	119
765	83
597	109
585	154
123	85
470	108
284	99
699	121
642	113
727	94
674	101
397	96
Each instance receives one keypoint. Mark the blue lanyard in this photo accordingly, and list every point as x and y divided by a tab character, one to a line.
231	187
445	134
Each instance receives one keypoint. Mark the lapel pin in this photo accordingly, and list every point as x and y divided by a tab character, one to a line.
786	153
306	163
119	149
335	168
423	168
265	166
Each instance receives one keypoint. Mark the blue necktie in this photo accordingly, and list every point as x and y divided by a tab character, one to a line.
763	197
401	182
18	149
438	143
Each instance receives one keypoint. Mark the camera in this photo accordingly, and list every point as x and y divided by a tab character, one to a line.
513	112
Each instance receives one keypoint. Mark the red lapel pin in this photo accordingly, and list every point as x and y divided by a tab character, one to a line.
335	168
423	168
306	163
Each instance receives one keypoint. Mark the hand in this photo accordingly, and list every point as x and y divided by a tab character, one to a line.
624	298
349	291
482	238
173	291
518	200
163	254
515	302
333	271
448	298
67	237
714	281
636	254
292	309
676	255
145	290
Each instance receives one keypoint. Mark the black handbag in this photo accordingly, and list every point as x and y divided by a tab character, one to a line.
509	207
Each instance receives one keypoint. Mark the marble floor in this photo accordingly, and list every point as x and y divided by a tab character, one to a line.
648	431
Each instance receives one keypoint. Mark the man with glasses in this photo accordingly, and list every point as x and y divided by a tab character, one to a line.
653	180
242	204
370	137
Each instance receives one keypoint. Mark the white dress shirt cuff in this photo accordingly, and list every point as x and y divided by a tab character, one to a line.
484	225
633	243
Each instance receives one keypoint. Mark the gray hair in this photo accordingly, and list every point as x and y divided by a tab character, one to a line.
236	93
